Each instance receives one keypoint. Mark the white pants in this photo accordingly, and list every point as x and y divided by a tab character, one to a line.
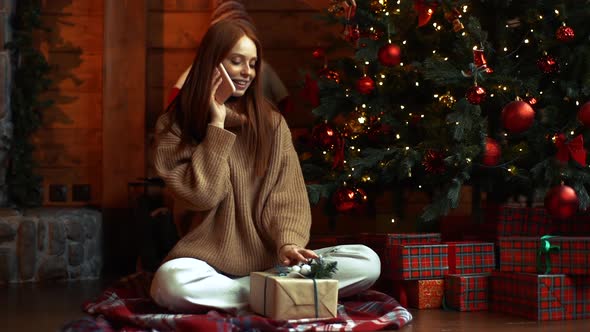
187	285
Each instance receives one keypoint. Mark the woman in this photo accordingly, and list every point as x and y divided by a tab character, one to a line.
235	163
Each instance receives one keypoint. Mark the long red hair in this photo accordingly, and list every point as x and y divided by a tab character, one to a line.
191	108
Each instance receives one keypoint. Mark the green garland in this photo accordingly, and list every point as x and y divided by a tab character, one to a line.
29	83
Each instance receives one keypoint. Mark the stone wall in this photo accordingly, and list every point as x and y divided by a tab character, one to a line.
5	79
50	244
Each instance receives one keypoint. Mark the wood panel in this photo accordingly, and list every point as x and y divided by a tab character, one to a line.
79	33
124	99
76	72
179	5
67	147
165	66
176	29
72	7
74	110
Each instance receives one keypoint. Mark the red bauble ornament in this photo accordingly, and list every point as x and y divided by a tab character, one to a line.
584	114
346	199
389	55
565	34
561	202
329	74
365	85
476	95
491	153
319	53
547	64
325	136
517	116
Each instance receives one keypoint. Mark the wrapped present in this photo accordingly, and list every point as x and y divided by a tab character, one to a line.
534	296
419	294
416	261
547	254
468	292
381	241
508	220
471	257
282	297
581	297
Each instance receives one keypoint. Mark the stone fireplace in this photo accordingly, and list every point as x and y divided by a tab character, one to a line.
45	243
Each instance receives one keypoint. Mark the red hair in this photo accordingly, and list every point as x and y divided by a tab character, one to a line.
191	108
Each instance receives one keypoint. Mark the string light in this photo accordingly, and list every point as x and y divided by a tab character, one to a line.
505	49
526	41
572	133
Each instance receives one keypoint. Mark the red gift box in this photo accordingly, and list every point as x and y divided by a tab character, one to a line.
467	292
507	220
471	257
419	294
521	254
381	240
534	296
416	261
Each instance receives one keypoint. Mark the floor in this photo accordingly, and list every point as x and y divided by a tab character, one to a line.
46	307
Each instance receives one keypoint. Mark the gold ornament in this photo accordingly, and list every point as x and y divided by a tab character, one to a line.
447	99
356	123
378	6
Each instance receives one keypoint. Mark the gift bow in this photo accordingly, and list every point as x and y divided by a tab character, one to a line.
545	248
574	149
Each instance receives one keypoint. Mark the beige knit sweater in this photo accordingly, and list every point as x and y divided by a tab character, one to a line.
247	218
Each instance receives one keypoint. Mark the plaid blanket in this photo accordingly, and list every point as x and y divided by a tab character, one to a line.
126	306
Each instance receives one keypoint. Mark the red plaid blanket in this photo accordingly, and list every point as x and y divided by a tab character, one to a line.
126	306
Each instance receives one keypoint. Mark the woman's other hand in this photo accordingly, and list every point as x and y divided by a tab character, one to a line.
292	254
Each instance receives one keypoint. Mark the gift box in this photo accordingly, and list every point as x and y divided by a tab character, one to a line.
282	297
534	296
416	261
468	292
381	240
559	254
471	257
508	220
419	294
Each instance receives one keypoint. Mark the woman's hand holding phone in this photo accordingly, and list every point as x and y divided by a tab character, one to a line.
218	111
222	88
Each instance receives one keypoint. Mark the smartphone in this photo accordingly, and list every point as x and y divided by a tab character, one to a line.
226	89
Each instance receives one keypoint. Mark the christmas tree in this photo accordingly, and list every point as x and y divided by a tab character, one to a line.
434	95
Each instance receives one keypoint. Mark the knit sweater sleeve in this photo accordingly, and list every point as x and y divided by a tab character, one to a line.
197	174
287	212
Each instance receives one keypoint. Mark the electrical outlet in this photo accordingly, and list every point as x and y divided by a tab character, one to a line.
58	193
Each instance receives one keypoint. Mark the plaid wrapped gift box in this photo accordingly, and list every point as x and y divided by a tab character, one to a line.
581	297
471	257
521	254
507	220
534	296
381	241
420	294
416	261
467	292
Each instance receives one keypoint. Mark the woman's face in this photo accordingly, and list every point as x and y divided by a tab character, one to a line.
240	64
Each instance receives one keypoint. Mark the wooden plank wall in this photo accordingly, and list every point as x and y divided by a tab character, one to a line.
69	143
288	32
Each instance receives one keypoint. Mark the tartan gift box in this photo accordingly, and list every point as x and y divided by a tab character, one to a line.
468	292
282	298
534	296
419	294
507	220
416	261
471	257
381	240
558	254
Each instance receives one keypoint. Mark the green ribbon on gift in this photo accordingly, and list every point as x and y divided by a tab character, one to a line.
315	297
545	248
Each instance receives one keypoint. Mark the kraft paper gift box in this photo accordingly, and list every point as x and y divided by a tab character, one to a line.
285	297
